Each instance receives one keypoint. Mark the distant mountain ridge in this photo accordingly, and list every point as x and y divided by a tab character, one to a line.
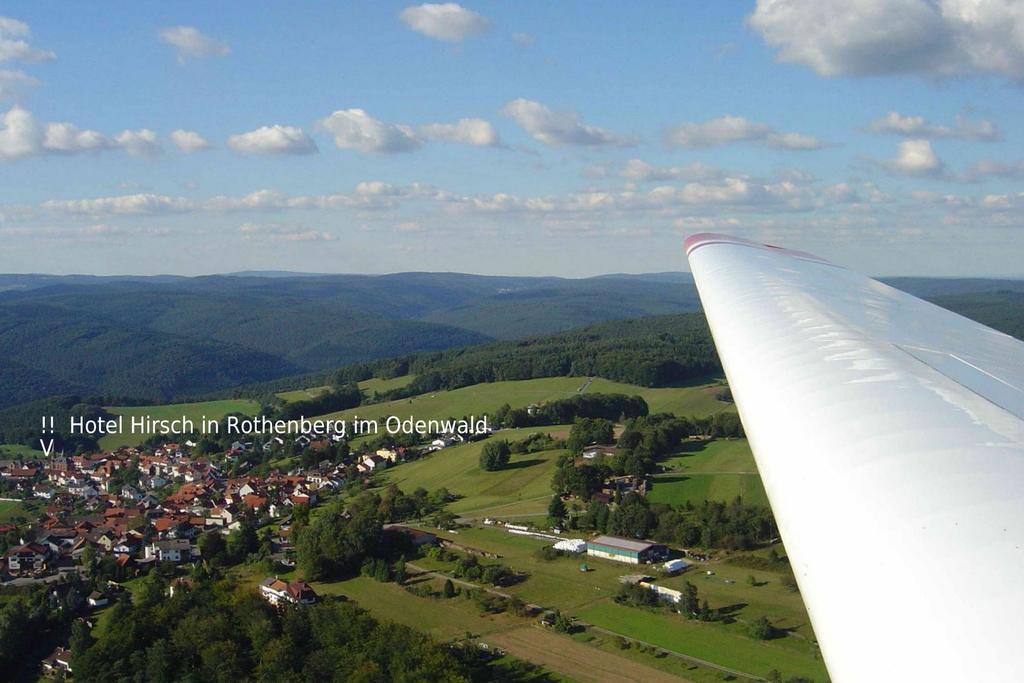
157	338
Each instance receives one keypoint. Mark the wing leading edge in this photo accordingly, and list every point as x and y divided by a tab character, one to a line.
890	437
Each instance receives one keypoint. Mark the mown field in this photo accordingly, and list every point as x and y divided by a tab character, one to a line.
521	489
11	510
213	410
588	595
566	658
697	400
709	470
17	450
369	387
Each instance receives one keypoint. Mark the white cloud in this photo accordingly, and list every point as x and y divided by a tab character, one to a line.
523	39
988	168
190	43
466	132
355	129
273	140
189	141
872	37
22	136
19	134
916	157
133	204
917	127
13	83
559	128
637	169
67	138
730	129
14	47
283	232
449	21
141	142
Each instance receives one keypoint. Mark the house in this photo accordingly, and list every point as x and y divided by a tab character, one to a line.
31	557
371	463
597	451
389	454
277	592
59	661
175	550
626	550
97	599
418	538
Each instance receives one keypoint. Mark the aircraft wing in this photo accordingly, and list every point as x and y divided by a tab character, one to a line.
889	434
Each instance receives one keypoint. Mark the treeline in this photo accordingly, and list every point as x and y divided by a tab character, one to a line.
644	440
605	406
653	351
712	524
656	351
23	424
340	396
217	631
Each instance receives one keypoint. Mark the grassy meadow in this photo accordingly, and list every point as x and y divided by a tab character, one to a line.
213	410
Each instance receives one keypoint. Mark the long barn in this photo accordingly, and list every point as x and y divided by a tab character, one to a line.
625	549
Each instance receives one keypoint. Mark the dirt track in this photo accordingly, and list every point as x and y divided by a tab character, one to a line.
579	662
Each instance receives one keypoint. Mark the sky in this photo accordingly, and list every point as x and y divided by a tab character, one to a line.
529	138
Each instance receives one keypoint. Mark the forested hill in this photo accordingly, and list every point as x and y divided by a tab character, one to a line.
163	338
158	339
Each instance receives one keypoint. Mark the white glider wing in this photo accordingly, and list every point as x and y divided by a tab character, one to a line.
889	434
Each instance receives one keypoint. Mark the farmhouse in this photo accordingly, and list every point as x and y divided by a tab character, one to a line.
28	557
277	592
625	549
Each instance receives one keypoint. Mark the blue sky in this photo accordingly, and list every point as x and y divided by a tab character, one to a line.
519	138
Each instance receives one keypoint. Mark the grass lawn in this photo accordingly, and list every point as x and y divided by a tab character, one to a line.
482	398
17	450
453	618
301	394
376	384
522	488
213	410
709	470
560	583
12	509
725	645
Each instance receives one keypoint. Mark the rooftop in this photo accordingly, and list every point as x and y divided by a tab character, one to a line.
620	543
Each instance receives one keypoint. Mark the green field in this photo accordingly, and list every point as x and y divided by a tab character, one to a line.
560	583
709	470
522	488
376	384
213	410
301	394
369	387
10	510
721	644
17	450
482	398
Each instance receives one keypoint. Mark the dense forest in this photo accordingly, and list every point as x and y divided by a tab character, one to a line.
164	338
141	341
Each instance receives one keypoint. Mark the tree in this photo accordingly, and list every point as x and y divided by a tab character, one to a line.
448	589
399	571
212	546
762	629
688	604
495	455
588	430
556	509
